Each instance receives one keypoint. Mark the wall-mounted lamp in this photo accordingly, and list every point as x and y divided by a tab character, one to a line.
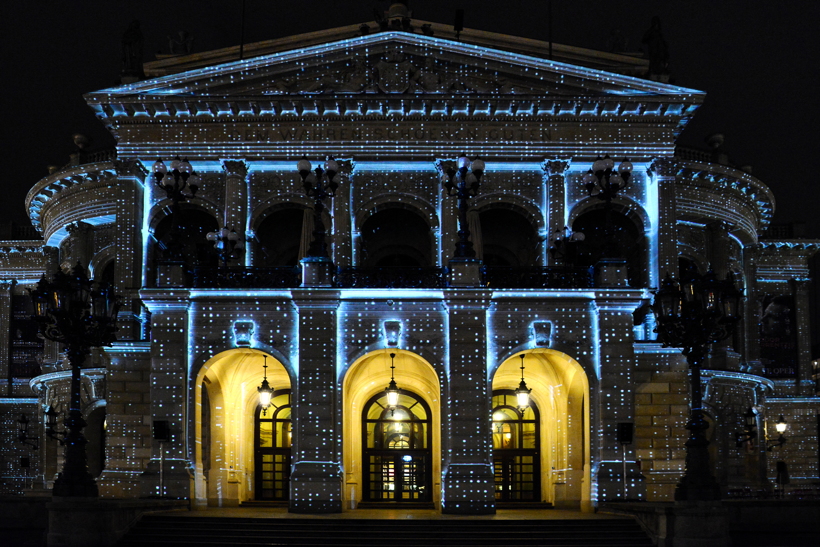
265	391
22	433
780	427
522	394
749	434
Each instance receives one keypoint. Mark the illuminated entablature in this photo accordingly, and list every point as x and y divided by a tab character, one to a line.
408	89
732	195
85	192
784	260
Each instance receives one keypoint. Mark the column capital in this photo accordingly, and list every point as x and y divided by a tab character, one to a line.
556	167
130	168
235	167
663	167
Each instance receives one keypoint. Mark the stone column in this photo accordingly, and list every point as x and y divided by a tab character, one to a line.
236	199
6	287
555	171
316	474
128	417
618	365
341	237
663	177
468	483
168	396
129	246
801	288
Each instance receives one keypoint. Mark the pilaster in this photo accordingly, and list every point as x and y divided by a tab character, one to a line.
341	232
236	196
129	246
802	293
663	176
618	363
6	287
128	416
168	395
555	171
468	482
316	474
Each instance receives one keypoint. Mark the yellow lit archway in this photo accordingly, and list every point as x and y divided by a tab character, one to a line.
226	400
365	378
560	389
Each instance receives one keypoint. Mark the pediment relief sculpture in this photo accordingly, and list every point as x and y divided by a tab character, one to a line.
396	72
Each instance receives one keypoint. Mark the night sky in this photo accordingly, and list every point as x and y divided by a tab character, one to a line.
758	62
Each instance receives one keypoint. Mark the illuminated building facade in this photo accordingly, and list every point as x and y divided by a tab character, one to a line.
173	406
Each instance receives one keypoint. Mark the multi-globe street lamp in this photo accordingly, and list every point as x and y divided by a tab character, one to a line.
319	184
692	315
464	182
73	310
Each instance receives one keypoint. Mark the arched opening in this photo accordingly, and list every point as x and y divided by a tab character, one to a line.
560	421
391	457
396	445
227	427
516	445
507	238
395	237
612	234
281	238
272	443
186	242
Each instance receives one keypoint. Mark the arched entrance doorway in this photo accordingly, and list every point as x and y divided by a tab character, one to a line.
516	443
553	433
396	449
228	426
391	458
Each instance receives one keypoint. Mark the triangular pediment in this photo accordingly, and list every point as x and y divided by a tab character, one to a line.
394	63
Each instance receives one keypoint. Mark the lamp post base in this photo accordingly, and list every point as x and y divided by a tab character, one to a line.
75	486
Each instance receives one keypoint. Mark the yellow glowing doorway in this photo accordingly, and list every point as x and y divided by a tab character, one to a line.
226	405
560	392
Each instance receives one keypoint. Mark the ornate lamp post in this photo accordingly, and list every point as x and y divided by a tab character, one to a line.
182	178
71	311
464	183
693	315
228	245
319	184
565	246
604	182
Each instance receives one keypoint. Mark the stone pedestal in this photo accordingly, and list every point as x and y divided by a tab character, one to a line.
610	272
465	272
316	487
317	272
175	481
171	274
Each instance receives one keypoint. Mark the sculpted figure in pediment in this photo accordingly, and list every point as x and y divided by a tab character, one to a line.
394	72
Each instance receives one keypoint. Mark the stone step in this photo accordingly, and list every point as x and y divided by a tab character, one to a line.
160	530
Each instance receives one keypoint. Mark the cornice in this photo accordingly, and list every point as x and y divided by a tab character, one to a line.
59	182
202	109
723	179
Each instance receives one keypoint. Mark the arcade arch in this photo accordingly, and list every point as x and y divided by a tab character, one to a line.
226	410
560	393
362	387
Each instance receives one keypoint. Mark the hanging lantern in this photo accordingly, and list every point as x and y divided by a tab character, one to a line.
392	390
780	426
265	391
522	394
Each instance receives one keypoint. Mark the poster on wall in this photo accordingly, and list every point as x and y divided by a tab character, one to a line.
778	336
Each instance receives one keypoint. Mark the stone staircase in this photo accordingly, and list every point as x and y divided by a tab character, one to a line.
179	531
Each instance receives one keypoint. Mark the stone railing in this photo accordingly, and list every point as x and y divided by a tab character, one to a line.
409	278
286	277
536	277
